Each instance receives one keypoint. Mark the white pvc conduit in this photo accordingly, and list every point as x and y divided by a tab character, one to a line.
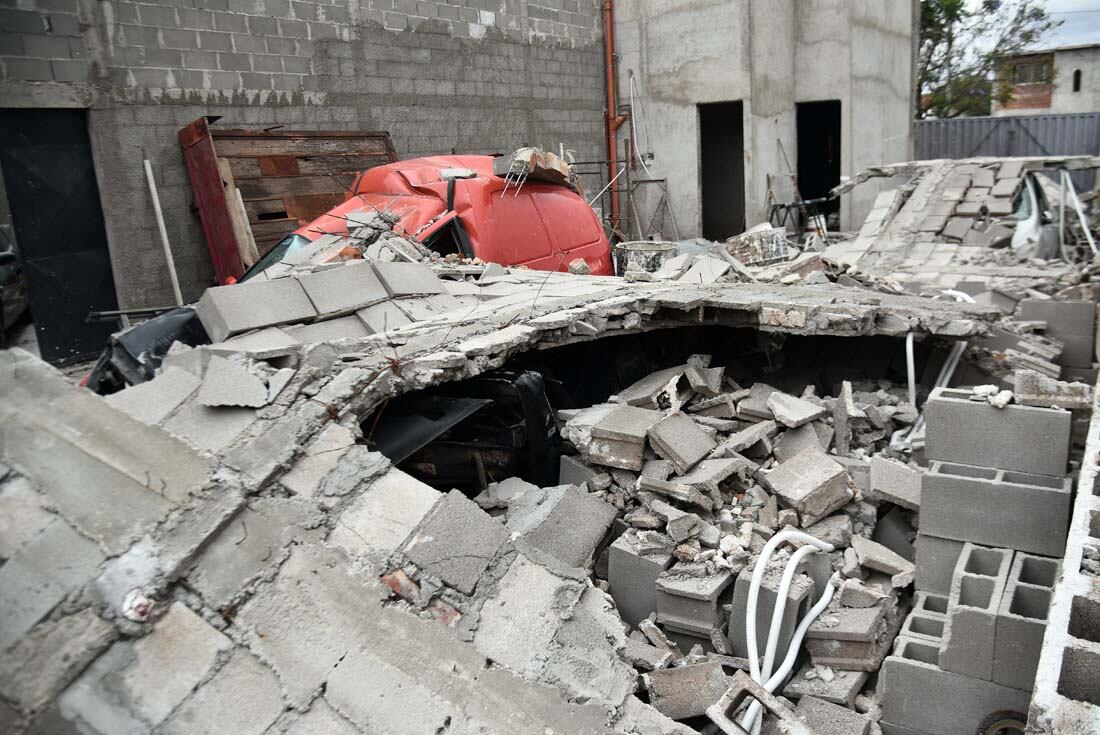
764	675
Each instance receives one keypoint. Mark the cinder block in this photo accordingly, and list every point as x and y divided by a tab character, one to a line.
1071	322
691	602
798	603
853	639
633	565
1022	620
976	590
342	290
1016	438
566	523
924	626
915	691
935	563
618	440
1012	510
408	279
228	310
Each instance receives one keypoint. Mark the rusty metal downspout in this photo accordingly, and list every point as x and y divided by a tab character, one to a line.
612	120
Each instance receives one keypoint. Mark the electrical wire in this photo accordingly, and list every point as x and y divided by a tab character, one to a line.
634	129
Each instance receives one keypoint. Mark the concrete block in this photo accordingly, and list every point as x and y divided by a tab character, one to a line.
252	542
793	412
691	602
936	558
345	289
209	429
228	310
38	667
1017	438
153	401
1035	389
841	689
330	330
915	691
376	522
1071	322
23	515
970	633
243	697
879	558
455	542
798	602
1022	620
680	440
853	639
999	508
46	569
618	439
408	279
825	718
859	470
810	483
572	471
227	383
343	608
746	438
383	317
263	344
924	626
308	474
894	482
643	393
793	441
136	684
633	565
686	691
566	523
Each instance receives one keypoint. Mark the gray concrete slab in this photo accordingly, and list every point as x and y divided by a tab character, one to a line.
455	542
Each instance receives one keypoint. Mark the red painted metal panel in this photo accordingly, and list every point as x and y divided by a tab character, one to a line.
206	184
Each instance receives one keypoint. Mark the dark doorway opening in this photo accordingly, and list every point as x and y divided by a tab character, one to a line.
722	169
57	221
819	151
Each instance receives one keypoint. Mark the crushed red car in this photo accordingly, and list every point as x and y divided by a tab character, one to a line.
456	204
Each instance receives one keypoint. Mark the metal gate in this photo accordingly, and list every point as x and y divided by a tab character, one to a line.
1024	135
46	159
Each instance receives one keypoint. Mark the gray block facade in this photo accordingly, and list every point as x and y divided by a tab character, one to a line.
1016	438
1013	510
476	77
1022	620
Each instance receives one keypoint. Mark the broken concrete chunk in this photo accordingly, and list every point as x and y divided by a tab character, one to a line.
879	558
501	494
894	482
344	289
563	521
675	490
228	310
153	401
755	405
745	438
825	718
686	691
1036	389
644	392
408	279
228	384
793	412
793	441
680	440
853	593
810	483
455	542
262	345
618	439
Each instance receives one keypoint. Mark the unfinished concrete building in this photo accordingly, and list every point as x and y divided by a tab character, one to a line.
733	93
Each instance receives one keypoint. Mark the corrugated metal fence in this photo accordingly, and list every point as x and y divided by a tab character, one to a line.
1027	135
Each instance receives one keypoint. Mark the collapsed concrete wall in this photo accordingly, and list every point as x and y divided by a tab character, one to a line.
476	78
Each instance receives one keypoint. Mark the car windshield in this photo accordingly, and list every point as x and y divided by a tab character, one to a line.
288	245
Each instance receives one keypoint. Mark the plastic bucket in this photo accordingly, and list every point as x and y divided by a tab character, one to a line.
643	255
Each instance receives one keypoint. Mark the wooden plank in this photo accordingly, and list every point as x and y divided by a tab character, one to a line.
246	247
271	187
279	166
249	168
247	147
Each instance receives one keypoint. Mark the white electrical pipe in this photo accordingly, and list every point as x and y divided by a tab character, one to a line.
781	602
750	718
910	365
163	233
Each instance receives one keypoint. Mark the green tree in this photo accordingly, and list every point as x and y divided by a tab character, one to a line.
960	43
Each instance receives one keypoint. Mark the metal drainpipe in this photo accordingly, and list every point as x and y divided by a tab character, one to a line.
612	121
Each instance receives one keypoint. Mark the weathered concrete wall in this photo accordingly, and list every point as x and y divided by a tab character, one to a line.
770	55
482	76
1066	62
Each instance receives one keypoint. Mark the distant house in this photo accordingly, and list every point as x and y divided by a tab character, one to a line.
1057	80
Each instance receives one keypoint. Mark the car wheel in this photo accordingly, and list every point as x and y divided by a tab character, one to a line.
1003	722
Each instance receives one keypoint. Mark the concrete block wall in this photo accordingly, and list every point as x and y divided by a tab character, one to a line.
467	75
1066	698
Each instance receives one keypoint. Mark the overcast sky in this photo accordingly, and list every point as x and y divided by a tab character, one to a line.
1080	22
